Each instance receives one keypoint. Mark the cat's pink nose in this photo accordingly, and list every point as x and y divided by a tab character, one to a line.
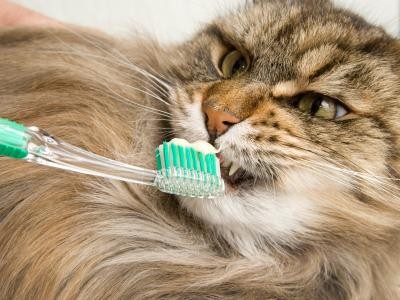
218	122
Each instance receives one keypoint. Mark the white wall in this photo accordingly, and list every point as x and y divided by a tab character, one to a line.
175	19
382	12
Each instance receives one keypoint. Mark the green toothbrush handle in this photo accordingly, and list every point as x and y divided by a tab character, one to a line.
35	145
13	139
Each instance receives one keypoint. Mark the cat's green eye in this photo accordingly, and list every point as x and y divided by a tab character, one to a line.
233	64
321	106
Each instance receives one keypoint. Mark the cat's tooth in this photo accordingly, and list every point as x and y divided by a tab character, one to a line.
233	169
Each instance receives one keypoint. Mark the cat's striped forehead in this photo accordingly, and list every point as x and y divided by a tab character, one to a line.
297	48
286	41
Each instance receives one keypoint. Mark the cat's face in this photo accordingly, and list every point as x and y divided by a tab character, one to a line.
302	100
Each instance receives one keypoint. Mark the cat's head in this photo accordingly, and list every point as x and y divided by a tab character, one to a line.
303	100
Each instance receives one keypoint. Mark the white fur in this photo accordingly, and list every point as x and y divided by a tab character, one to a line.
254	216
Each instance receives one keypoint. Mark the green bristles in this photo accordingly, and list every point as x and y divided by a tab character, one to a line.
186	171
13	139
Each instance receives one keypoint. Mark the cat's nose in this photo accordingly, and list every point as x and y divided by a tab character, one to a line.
218	122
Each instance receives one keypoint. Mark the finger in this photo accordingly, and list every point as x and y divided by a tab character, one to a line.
12	14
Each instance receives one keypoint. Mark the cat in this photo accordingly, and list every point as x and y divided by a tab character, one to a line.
301	97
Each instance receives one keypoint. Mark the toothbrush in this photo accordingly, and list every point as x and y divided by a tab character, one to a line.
185	169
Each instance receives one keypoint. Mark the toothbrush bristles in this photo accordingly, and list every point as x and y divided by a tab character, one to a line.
182	170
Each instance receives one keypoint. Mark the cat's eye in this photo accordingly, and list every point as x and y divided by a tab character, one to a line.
321	106
233	63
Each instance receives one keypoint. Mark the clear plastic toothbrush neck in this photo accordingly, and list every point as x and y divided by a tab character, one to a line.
47	150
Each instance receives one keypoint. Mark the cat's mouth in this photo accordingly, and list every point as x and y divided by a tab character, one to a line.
234	175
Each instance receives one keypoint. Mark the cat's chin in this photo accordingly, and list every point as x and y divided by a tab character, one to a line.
249	215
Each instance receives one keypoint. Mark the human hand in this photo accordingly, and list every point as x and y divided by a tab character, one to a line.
12	14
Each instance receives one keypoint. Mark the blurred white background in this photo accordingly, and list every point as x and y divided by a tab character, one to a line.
176	19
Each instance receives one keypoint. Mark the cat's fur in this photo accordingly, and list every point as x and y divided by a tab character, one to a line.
325	227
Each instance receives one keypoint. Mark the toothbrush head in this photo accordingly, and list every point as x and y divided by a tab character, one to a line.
191	170
13	139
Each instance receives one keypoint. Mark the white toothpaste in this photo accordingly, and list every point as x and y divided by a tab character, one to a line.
200	146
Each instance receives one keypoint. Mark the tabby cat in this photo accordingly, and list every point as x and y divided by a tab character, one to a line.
302	98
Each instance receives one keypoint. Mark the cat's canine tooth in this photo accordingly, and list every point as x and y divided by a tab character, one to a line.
233	169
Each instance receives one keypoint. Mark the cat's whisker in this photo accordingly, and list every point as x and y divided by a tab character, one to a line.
125	100
144	92
371	179
150	82
381	181
161	129
156	77
114	60
130	102
322	170
375	178
336	162
151	86
318	169
165	113
145	120
148	92
130	65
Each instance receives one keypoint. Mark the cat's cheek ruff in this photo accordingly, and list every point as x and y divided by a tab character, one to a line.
249	219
